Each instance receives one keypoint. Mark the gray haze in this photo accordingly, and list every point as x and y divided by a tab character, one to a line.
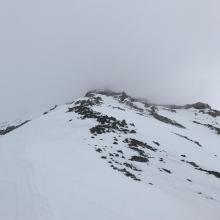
54	51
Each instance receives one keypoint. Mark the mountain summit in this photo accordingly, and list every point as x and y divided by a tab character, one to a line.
112	156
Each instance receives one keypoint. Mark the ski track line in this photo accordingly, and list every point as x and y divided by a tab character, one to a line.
20	198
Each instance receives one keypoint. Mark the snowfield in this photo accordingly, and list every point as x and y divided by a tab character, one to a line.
109	156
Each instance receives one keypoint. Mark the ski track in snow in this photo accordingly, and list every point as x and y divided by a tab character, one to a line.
20	198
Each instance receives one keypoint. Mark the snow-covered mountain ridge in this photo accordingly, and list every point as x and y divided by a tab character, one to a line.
111	156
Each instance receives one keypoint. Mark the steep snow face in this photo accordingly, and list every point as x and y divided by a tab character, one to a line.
110	156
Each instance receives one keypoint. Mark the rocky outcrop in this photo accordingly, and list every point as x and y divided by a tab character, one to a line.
198	105
11	128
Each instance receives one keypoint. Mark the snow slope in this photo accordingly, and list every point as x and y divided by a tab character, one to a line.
110	156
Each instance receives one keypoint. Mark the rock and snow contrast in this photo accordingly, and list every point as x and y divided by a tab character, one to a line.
111	156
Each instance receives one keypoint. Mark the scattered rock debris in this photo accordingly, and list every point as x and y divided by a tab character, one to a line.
140	151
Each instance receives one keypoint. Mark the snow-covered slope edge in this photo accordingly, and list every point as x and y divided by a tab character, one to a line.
110	156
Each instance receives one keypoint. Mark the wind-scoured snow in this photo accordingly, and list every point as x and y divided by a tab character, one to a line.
109	156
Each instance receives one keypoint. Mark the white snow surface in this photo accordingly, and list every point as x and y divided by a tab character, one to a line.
50	169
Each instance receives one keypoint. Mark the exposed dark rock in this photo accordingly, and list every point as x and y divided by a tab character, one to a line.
131	166
163	119
99	150
126	173
83	107
11	128
109	124
53	108
185	137
118	128
106	123
106	92
197	167
161	160
121	96
139	159
157	143
120	151
129	174
214	113
136	143
45	113
85	112
140	152
198	105
166	170
204	108
193	164
207	197
211	127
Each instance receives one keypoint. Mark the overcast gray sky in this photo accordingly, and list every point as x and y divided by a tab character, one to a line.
52	51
